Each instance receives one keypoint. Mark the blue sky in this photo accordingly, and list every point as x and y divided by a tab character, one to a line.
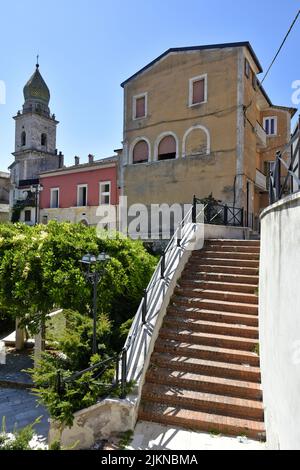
88	47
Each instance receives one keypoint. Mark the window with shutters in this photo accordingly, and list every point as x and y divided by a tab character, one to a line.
167	148
198	90
140	152
270	125
104	192
139	106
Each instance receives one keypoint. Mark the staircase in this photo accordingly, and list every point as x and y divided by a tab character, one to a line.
204	372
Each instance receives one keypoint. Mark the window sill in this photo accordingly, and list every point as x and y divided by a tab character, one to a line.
195	105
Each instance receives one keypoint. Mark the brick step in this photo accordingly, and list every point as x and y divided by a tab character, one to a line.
211	304
178	323
228	296
206	402
212	353
208	422
213	316
204	261
205	367
204	276
225	254
194	270
218	286
229	242
232	248
205	383
220	341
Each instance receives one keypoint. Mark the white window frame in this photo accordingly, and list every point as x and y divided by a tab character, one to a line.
103	183
268	118
79	186
51	192
191	83
134	100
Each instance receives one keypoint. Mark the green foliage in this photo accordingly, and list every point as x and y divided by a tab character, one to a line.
74	395
76	342
211	210
126	439
20	439
40	270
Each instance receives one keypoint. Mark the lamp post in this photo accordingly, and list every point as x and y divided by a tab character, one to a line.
94	267
36	189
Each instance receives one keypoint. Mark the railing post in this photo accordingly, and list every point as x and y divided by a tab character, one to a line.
124	373
242	217
278	176
58	382
144	308
117	370
225	214
163	265
194	210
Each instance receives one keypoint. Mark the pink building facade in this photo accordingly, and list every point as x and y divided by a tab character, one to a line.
74	193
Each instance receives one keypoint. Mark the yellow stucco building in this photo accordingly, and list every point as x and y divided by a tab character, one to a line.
196	122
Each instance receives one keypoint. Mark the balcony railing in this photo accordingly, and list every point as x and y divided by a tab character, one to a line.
261	136
261	180
285	178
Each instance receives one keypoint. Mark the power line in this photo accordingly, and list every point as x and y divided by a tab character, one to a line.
282	44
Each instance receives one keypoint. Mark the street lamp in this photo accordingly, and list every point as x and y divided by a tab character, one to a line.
36	189
94	267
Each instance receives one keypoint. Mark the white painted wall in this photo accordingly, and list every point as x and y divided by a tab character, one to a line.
279	318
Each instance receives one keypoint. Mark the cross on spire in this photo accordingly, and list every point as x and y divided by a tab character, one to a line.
37	61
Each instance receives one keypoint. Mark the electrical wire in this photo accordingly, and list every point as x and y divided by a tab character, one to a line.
281	46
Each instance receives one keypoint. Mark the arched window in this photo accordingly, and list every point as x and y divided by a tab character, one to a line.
167	148
43	140
140	152
23	138
196	141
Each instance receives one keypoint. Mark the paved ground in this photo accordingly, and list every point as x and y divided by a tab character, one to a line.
20	408
17	403
151	436
13	371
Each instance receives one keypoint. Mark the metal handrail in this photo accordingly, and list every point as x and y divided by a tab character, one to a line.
280	185
159	277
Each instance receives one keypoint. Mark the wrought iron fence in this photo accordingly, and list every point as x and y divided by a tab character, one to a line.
285	177
223	214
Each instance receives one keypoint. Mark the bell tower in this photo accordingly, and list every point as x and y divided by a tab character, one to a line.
35	139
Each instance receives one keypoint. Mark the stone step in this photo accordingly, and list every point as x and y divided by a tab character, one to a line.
225	255
195	270
212	353
226	329
213	316
205	367
175	416
220	341
232	242
206	260
204	276
232	248
227	296
201	401
205	383
212	304
218	286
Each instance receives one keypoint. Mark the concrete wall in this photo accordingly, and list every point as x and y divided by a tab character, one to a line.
279	318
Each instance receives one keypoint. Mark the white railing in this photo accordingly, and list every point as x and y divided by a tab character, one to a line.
137	344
